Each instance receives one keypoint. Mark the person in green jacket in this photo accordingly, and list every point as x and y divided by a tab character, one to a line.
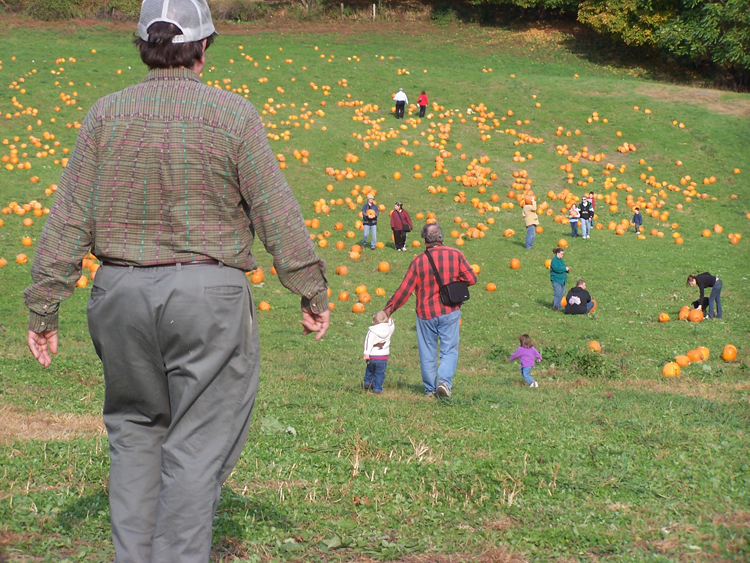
559	276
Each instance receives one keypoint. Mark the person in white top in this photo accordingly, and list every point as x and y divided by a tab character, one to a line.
377	347
401	101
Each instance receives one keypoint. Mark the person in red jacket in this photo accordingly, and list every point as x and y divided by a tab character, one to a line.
400	224
436	321
422	102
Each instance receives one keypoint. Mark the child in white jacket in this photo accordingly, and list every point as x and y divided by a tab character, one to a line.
377	346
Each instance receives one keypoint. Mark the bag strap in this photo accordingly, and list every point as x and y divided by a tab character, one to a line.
434	269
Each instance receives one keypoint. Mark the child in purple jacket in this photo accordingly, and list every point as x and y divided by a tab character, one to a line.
526	353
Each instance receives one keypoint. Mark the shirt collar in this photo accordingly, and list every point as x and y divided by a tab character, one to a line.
171	74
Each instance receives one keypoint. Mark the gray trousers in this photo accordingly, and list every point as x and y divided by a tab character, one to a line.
180	352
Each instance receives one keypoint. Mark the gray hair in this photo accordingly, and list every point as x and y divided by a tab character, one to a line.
431	232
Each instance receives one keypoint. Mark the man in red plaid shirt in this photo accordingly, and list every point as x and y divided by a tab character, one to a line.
436	322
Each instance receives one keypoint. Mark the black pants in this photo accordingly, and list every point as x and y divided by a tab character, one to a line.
422	109
399	239
400	110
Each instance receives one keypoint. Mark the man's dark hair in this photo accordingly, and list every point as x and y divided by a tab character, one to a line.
160	52
580	283
431	232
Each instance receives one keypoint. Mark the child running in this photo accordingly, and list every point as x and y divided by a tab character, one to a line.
377	345
526	353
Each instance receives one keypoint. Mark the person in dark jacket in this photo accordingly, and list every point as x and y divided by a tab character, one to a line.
370	214
703	281
578	300
400	224
637	220
587	214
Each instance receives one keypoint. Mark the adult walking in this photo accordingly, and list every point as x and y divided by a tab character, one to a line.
370	214
422	103
400	225
578	300
559	277
531	219
437	320
401	101
592	201
170	313
703	281
587	213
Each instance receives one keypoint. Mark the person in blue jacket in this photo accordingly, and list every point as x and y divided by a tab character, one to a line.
637	220
559	276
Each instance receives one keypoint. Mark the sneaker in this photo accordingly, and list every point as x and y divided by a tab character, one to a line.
366	387
430	395
535	384
443	391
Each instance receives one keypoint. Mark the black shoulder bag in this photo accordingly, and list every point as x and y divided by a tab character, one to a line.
453	293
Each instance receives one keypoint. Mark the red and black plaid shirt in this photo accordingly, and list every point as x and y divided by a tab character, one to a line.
451	265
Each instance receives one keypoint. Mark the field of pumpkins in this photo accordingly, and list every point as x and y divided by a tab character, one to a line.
470	164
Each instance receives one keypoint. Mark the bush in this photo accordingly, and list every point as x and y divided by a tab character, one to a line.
121	10
54	10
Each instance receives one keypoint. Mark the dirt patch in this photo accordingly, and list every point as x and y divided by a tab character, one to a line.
712	99
685	386
492	555
44	426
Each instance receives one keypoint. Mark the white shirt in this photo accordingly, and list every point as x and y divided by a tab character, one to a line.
400	97
379	334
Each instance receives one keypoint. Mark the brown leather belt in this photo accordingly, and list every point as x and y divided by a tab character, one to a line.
206	262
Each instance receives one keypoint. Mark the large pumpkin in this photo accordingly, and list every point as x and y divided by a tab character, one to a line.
695	316
729	353
670	369
684	312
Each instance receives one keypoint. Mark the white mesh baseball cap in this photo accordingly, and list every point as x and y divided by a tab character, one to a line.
193	17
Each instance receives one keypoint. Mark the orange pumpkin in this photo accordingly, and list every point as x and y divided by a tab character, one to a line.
563	301
548	263
83	281
416	243
682	361
342	270
26	241
384	266
705	351
663	318
257	276
360	289
379	291
729	353
594	346
695	316
344	296
491	287
358	308
562	243
22	258
671	369
364	297
684	312
695	355
515	264
340	245
264	306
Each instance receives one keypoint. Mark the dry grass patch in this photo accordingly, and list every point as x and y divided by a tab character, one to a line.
17	425
712	99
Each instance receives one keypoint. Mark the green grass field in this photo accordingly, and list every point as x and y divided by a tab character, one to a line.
606	460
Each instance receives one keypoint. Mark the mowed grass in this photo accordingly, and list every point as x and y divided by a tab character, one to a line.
606	459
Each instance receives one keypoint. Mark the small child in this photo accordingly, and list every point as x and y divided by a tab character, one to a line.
377	345
526	353
573	216
637	220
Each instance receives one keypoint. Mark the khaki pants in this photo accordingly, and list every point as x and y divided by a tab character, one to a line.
180	352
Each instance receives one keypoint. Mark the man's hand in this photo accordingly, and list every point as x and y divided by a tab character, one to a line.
367	357
698	308
42	344
311	322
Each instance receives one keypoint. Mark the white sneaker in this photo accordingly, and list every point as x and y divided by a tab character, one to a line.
443	391
535	384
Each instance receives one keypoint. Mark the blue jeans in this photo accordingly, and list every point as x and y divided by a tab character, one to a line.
558	292
585	226
530	235
574	228
375	374
445	329
372	230
715	297
589	306
526	372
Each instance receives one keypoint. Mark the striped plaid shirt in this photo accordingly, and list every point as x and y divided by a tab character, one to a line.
171	171
452	266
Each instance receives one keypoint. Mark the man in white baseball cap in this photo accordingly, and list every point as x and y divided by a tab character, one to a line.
169	184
